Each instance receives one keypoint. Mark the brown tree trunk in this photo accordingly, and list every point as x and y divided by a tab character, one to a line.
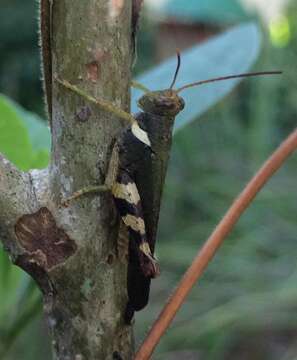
72	252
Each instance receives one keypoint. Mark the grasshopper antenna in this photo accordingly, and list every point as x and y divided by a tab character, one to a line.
177	69
227	78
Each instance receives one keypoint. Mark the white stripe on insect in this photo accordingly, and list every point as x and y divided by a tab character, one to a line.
145	248
140	134
126	192
135	223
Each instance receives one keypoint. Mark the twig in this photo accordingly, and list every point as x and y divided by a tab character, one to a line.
212	244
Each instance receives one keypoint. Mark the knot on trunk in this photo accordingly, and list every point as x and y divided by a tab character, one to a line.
44	243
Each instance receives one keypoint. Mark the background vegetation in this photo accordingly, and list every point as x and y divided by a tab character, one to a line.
245	305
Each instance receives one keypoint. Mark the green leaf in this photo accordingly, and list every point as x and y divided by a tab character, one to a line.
5	267
10	281
40	159
14	138
35	132
232	52
38	130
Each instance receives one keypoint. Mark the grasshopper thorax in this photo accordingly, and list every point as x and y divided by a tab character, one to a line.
164	102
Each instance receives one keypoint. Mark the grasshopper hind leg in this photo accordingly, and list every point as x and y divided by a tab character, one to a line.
129	206
142	266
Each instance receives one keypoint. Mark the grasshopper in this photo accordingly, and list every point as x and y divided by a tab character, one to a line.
141	154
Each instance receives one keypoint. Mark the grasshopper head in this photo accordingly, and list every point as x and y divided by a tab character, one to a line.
164	102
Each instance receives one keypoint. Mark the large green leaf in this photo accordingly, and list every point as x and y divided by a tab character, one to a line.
229	53
40	159
10	279
40	137
30	151
38	130
14	139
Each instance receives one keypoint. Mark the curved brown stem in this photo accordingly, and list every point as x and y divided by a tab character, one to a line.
212	244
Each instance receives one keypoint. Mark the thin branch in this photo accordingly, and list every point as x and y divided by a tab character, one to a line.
213	243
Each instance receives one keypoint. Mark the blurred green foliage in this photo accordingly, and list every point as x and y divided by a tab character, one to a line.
244	306
209	11
19	60
24	137
24	140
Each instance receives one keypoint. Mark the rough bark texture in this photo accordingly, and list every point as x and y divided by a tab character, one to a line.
72	252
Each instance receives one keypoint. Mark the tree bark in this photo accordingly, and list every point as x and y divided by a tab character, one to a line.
72	252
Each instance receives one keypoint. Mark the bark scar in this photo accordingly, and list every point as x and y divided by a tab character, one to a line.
45	243
93	71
